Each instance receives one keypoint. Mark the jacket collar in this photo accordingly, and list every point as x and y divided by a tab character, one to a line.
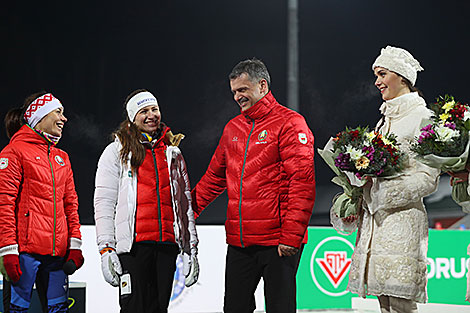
261	108
27	134
159	136
401	105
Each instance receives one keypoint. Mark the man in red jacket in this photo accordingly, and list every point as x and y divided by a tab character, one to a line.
265	161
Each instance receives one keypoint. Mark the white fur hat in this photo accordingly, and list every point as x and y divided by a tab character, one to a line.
400	61
141	100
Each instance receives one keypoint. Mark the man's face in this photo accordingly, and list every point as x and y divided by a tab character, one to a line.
246	92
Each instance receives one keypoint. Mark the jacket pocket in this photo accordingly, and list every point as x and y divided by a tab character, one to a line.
25	227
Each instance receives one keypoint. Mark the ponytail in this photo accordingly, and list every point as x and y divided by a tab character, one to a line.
14	118
411	87
13	121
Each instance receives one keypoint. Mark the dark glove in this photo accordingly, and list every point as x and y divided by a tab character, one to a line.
11	264
76	256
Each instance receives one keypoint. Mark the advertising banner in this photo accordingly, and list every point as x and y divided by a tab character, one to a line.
321	279
324	268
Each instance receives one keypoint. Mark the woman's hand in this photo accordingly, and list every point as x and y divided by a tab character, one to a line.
368	183
459	177
349	219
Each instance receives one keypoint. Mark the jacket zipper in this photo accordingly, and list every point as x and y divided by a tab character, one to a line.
55	203
158	195
241	184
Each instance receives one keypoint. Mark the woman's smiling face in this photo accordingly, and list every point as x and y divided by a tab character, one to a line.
53	123
390	84
148	119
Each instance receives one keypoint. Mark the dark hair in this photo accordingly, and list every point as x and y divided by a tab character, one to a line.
129	136
14	118
411	87
254	68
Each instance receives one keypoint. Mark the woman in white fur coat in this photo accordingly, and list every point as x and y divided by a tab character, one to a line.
389	259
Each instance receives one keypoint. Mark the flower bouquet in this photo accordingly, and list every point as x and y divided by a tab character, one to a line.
444	141
355	154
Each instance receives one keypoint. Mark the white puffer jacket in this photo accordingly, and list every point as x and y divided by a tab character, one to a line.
115	201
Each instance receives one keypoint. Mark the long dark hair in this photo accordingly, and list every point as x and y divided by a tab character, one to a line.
14	118
411	87
129	136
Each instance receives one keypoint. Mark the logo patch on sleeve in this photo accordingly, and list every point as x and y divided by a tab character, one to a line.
59	160
303	138
3	163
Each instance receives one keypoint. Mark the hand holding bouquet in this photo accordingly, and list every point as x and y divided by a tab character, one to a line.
355	154
444	142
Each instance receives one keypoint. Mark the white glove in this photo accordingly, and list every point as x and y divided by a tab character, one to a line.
190	269
111	267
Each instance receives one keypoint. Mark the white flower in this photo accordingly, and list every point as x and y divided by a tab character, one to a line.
466	115
445	134
354	153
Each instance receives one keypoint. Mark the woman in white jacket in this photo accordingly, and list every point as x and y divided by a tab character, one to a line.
143	209
389	259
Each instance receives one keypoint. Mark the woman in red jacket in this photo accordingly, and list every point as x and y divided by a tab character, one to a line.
39	224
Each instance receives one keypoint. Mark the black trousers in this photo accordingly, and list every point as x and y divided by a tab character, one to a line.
243	271
150	267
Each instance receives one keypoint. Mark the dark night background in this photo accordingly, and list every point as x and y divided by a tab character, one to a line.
92	55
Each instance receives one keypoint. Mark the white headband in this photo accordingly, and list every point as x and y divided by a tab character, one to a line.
40	107
139	101
400	61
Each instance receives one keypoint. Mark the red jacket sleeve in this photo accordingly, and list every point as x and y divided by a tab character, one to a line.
11	174
71	207
297	152
212	183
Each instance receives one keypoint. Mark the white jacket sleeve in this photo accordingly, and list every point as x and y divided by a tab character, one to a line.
416	182
106	195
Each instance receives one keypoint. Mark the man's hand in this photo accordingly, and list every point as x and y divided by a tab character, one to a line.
284	250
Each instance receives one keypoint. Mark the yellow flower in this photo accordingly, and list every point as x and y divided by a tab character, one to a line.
444	116
386	141
448	106
362	162
370	136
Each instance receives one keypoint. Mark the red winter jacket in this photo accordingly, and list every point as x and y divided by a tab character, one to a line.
265	161
38	202
154	215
